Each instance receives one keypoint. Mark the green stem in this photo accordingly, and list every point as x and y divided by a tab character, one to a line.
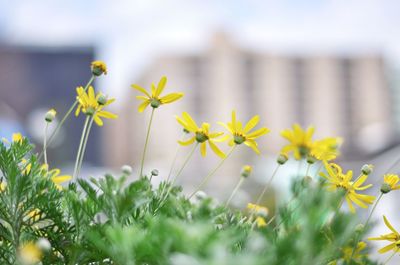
207	178
80	146
45	143
65	117
267	185
299	167
234	191
308	169
184	163
391	256
174	160
84	145
146	142
318	169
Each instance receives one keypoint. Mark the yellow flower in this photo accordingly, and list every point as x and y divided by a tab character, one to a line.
300	141
57	179
261	222
17	138
393	237
326	149
30	253
154	98
98	68
88	103
34	214
258	209
242	134
3	186
390	182
338	180
201	135
357	255
26	167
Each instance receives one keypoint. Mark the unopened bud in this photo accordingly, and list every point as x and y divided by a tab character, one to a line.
306	181
367	169
90	111
102	99
50	115
98	68
385	188
43	244
155	103
359	228
310	160
154	172
282	159
246	171
127	170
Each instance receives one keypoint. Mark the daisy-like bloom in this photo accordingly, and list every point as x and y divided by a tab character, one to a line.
357	255
202	135
98	68
390	182
326	149
242	134
17	138
55	177
300	141
88	103
258	209
393	237
338	180
29	254
260	221
154	98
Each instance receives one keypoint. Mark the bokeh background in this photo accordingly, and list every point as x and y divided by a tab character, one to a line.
332	64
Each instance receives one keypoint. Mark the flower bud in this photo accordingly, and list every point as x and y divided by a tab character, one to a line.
50	115
90	111
282	159
43	244
246	171
102	99
306	181
310	160
154	172
201	195
126	169
385	188
359	228
367	169
155	103
98	68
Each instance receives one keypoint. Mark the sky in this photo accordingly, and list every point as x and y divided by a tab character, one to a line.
129	34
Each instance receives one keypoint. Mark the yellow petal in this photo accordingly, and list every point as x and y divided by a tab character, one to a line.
185	125
389	225
251	124
188	142
257	133
203	149
142	98
160	86
141	89
226	126
216	150
91	93
61	179
97	120
171	98
190	122
360	181
252	145
143	106
106	114
387	248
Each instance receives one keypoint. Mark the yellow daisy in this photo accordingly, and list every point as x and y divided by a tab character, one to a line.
393	237
391	180
300	141
202	135
357	255
154	99
326	149
30	253
337	179
17	138
260	221
98	68
242	134
55	177
88	103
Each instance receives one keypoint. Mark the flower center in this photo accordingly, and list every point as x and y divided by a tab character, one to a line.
201	137
303	150
90	111
155	103
238	138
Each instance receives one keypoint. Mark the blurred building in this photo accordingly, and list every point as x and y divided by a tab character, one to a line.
35	79
342	95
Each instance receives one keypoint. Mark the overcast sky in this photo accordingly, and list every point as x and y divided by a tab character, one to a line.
128	34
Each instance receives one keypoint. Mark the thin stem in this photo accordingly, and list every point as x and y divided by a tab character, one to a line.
174	160
308	169
207	178
238	185
84	145
188	157
146	142
318	169
391	256
267	185
45	143
65	117
80	146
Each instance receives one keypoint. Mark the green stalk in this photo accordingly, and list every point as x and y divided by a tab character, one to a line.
391	256
84	145
78	155
65	117
45	143
318	169
234	191
207	178
267	185
308	169
174	160
146	142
